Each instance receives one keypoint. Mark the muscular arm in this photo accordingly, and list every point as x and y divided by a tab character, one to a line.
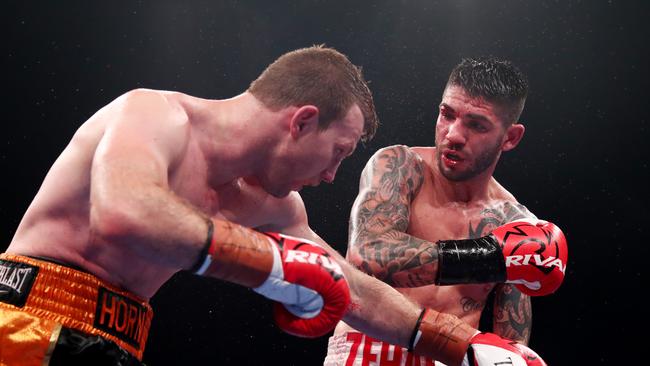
380	216
512	313
394	323
131	203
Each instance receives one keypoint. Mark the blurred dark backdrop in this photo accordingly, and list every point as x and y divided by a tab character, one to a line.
583	163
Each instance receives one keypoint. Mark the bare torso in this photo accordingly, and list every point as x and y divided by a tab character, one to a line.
57	223
433	218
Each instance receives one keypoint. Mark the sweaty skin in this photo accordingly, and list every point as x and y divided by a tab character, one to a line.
128	198
404	256
409	198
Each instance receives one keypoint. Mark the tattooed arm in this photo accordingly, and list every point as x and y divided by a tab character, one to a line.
513	314
378	242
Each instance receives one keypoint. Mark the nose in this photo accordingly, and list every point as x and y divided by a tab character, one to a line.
329	174
456	133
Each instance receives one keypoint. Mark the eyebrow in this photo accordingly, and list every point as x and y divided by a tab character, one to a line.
474	116
479	117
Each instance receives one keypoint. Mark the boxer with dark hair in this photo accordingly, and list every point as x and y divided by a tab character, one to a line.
433	223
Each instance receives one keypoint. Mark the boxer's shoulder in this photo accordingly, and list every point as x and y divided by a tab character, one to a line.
158	105
424	152
403	152
396	164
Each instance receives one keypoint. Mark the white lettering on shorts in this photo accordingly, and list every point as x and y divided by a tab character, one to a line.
357	349
16	280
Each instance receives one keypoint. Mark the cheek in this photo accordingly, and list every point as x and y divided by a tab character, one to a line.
322	158
440	131
486	146
313	164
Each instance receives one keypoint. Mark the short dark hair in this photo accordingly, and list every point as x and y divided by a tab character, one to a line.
320	76
497	81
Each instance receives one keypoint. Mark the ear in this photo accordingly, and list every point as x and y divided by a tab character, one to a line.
513	135
303	121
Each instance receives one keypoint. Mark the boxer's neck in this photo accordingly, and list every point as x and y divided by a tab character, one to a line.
237	137
466	191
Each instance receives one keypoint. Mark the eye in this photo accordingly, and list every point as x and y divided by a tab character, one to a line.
447	116
446	113
475	125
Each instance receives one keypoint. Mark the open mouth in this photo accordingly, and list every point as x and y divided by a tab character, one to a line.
450	158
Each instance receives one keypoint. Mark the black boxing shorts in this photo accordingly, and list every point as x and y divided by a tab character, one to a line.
53	314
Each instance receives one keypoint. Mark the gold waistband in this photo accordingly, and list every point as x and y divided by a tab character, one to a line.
81	301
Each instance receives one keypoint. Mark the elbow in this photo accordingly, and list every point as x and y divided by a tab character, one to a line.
367	260
112	222
355	258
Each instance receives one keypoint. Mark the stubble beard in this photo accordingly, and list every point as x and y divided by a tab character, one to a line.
482	162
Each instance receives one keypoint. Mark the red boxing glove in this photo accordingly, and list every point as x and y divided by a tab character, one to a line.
308	284
532	254
488	349
295	272
535	255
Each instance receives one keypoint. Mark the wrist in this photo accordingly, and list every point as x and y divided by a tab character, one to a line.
470	261
204	259
237	254
443	337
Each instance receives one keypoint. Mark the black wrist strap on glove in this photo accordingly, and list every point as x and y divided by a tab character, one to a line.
204	251
416	329
470	261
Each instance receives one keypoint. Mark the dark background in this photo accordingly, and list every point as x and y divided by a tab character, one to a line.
583	163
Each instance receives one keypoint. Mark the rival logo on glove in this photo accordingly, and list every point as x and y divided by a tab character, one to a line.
535	255
523	260
315	258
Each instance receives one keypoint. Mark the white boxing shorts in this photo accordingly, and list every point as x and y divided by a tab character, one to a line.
358	349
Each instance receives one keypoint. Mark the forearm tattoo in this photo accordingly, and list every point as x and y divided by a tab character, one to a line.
512	314
493	217
380	219
512	309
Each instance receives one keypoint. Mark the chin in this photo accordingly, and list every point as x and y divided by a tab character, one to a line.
282	195
451	175
279	193
455	175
